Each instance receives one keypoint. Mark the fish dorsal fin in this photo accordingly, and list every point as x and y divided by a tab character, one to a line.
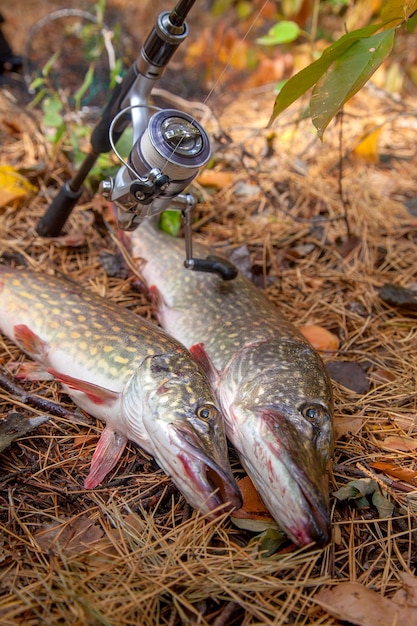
108	451
199	353
95	393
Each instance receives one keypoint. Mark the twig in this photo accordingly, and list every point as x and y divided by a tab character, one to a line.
27	398
226	614
340	179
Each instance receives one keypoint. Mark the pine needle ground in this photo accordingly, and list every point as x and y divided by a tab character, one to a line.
324	231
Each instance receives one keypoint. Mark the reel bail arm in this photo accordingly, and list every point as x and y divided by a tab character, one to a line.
213	264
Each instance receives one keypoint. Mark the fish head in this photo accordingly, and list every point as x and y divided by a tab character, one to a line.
186	430
286	412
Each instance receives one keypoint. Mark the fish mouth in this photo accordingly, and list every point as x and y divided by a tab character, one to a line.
303	515
315	526
206	480
291	478
320	520
215	491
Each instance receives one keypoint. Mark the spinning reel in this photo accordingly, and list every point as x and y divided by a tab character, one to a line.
169	148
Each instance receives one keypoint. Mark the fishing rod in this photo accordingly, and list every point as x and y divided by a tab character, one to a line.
169	148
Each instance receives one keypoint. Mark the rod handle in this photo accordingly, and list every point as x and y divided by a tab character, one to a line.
51	224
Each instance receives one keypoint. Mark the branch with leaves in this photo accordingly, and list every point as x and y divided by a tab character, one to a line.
345	66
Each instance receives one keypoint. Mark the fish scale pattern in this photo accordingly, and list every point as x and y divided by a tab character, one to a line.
99	333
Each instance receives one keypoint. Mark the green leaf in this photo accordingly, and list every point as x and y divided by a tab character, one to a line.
59	133
87	82
356	489
307	77
51	112
116	73
282	32
349	73
170	222
37	82
361	502
268	542
100	10
124	144
49	64
384	506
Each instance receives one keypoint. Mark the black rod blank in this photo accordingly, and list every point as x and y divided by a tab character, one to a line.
179	13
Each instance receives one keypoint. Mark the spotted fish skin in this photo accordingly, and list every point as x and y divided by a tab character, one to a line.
126	371
272	386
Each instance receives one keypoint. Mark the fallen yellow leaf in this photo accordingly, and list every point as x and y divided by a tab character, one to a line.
320	338
367	148
13	185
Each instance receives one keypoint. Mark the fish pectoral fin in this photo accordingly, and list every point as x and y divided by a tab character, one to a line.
29	342
95	393
29	371
199	353
108	451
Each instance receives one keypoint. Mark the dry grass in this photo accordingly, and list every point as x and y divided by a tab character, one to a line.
131	551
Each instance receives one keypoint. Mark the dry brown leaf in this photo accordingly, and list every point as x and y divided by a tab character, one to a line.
253	515
360	13
399	444
84	440
215	49
361	606
407	596
69	536
381	375
406	421
269	70
349	374
344	425
73	240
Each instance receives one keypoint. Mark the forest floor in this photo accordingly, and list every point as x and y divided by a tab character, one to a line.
324	226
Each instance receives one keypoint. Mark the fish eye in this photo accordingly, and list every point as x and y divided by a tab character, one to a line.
206	411
310	412
314	413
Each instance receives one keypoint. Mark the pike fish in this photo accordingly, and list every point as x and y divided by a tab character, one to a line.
127	372
274	392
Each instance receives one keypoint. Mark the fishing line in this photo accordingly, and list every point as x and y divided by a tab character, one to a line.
220	77
173	146
228	64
